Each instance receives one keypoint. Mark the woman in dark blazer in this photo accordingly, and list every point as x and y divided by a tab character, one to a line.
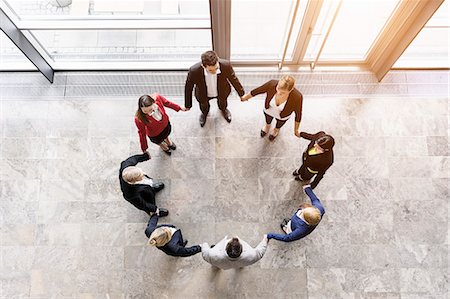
282	99
317	157
303	222
138	188
168	238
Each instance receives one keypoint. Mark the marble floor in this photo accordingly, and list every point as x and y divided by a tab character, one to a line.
66	232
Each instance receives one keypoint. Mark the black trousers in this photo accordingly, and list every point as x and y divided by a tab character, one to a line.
269	119
304	173
204	104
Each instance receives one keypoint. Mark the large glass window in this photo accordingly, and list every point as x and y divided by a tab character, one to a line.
356	27
124	45
66	9
11	58
259	28
430	47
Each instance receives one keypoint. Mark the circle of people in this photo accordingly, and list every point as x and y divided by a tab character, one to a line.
212	78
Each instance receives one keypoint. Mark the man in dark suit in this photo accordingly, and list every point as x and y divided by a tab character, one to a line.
211	78
138	188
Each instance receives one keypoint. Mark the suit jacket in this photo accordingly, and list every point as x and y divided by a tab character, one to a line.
217	256
141	196
319	163
294	101
196	78
300	228
175	246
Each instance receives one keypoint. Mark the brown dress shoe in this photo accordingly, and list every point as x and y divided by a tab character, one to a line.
202	120
227	115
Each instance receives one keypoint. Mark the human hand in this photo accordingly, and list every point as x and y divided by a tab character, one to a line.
246	97
148	154
306	186
184	108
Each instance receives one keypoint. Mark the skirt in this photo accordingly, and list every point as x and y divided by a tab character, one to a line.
163	135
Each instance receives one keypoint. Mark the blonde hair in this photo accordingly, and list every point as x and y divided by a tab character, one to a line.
312	215
286	82
160	237
132	174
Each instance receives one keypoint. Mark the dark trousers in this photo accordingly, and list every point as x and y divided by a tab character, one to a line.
204	104
269	119
304	173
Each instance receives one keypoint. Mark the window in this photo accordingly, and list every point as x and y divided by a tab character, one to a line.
356	27
259	28
430	47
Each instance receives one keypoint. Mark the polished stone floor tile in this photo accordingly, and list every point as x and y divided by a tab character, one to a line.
66	231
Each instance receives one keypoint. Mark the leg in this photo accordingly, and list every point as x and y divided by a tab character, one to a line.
266	127
223	104
170	143
204	106
276	130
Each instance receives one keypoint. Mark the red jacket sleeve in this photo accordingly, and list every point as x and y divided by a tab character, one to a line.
169	104
142	134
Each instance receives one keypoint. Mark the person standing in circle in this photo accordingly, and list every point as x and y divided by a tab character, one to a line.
317	158
211	78
152	120
282	99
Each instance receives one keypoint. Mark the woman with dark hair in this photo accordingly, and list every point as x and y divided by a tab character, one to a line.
152	120
317	157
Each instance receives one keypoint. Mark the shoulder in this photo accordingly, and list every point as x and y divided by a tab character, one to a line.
224	62
196	67
297	94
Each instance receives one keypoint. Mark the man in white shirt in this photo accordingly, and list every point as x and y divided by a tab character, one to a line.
233	253
211	78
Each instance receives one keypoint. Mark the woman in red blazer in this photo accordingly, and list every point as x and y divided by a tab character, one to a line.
282	99
152	120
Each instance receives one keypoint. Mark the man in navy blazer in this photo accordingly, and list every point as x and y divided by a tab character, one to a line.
211	78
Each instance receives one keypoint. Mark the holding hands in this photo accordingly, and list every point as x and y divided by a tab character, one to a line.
246	97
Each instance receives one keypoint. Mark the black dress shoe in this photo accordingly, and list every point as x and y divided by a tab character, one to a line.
202	119
227	115
185	243
163	212
263	133
158	186
168	152
272	137
295	173
173	146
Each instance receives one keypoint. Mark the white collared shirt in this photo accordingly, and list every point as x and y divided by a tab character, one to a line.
211	83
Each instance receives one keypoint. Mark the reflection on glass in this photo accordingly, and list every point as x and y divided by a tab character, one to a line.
11	58
357	25
32	9
259	28
430	47
124	45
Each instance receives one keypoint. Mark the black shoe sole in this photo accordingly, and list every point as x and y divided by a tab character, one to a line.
263	133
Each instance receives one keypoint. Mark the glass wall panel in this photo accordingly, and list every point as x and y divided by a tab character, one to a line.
357	25
11	58
91	9
124	45
430	47
259	28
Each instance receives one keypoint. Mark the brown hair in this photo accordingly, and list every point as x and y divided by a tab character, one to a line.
144	101
286	83
234	248
209	58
